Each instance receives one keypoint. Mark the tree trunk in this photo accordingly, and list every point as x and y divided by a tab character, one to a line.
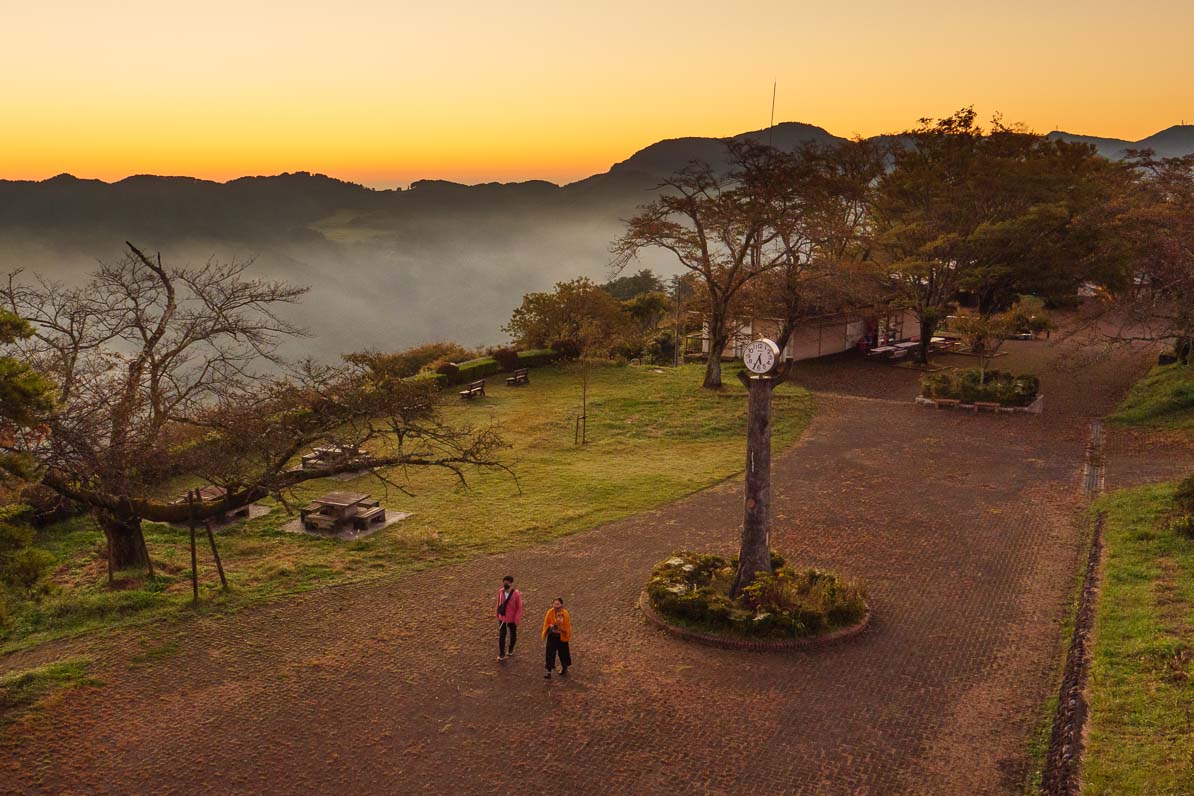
754	552
126	544
713	365
717	344
927	327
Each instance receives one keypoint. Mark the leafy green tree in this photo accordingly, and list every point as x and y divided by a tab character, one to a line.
578	310
625	288
995	213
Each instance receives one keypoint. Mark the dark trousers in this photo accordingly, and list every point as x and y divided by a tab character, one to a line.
502	637
554	647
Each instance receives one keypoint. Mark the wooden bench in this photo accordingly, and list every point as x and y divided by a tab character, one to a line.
981	405
947	403
361	520
474	389
519	376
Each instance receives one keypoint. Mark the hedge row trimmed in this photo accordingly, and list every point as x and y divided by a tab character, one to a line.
483	367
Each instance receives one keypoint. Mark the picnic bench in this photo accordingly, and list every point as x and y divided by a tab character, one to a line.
981	405
519	376
212	493
947	403
474	389
323	454
334	509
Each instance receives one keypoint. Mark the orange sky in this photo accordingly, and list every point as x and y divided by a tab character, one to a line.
387	91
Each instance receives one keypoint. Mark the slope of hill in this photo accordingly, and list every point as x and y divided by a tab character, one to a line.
1176	141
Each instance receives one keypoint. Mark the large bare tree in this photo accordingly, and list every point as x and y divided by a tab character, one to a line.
717	227
820	219
165	372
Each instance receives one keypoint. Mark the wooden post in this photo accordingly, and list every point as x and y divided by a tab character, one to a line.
215	554
755	549
194	556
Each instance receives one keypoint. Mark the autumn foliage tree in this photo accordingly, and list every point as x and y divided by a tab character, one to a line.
1153	244
579	311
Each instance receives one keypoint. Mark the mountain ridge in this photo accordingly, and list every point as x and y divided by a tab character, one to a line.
674	152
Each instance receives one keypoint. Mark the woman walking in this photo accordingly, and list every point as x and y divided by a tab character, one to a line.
557	631
509	614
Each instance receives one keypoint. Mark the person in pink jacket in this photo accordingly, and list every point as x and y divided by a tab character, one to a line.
509	614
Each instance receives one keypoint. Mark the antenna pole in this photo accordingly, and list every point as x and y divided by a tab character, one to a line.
771	126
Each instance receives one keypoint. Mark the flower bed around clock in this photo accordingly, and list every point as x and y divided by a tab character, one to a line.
692	590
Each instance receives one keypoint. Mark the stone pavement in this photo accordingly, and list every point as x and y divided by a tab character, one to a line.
967	530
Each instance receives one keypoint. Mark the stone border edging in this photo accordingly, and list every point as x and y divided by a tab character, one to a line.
755	645
1035	408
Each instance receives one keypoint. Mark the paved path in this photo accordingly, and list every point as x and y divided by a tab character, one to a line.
966	530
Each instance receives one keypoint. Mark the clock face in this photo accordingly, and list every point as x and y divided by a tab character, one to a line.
760	356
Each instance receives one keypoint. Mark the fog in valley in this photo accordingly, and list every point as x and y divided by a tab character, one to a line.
387	269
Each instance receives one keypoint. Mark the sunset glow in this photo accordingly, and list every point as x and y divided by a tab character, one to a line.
385	93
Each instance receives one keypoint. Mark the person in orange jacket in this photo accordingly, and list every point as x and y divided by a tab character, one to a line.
557	631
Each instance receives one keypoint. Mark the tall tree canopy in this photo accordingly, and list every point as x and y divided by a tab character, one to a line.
995	213
717	227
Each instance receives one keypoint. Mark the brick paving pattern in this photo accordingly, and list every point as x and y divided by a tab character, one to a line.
966	529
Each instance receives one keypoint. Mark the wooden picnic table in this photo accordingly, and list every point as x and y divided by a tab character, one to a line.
212	493
336	508
322	453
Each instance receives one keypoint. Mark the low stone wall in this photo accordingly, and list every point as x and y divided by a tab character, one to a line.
756	645
1034	408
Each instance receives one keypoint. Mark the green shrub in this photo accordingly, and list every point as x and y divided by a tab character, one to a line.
567	348
1183	525
970	385
26	568
537	357
694	588
1183	497
449	370
506	357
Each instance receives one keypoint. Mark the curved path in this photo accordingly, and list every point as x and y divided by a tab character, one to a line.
967	530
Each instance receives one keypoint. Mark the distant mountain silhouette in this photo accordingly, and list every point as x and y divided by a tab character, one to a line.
388	268
1173	142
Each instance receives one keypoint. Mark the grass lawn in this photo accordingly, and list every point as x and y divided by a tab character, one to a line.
654	436
1164	398
23	691
1140	732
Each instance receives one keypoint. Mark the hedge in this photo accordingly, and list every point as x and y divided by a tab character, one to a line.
537	357
477	369
439	379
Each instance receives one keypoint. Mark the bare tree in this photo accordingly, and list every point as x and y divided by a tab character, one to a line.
820	218
718	227
156	375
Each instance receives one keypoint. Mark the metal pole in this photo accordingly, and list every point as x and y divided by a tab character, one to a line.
194	556
215	554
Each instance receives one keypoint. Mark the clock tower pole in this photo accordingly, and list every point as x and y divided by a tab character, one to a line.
754	552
